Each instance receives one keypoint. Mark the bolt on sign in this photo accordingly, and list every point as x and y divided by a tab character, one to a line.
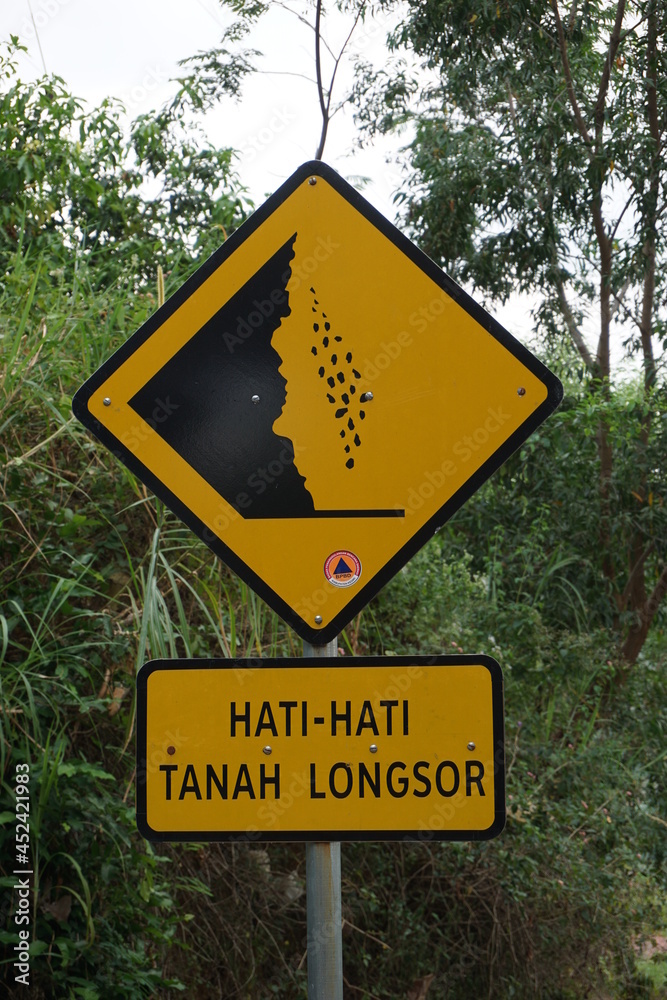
406	747
316	400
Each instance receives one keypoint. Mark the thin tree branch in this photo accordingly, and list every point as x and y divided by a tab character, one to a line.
637	635
320	89
304	20
571	18
636	569
618	299
325	105
614	43
648	298
573	328
284	72
344	46
618	221
578	117
39	43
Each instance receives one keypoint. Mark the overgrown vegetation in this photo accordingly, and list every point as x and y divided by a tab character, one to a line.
95	578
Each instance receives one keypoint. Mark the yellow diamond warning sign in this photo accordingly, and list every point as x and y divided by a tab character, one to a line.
316	749
317	400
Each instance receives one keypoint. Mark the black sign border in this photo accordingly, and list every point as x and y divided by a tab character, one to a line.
332	663
313	635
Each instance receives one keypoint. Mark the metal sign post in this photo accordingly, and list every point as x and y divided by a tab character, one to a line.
323	901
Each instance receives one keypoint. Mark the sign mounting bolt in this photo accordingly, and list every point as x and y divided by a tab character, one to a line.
312	181
106	401
267	750
171	751
373	748
471	745
318	619
366	397
254	399
521	391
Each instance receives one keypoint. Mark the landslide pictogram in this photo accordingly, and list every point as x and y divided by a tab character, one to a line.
341	378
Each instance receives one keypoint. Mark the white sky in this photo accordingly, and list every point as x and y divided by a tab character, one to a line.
130	49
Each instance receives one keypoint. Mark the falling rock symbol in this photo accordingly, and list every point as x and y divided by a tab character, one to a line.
340	375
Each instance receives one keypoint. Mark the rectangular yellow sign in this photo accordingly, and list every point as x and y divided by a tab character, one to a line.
315	749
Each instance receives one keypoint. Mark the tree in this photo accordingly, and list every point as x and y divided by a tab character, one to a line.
537	164
76	182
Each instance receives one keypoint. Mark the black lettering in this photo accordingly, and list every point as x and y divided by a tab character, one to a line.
405	718
438	778
235	717
389	706
402	789
168	768
186	785
332	779
261	724
264	780
314	794
345	716
247	787
304	718
367	710
373	783
212	779
288	706
474	778
425	780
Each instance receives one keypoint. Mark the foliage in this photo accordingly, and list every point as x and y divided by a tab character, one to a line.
78	233
95	578
537	164
552	909
73	184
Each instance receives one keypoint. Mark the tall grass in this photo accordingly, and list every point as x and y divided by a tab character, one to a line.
96	578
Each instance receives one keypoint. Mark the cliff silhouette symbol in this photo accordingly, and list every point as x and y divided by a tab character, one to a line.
210	383
216	400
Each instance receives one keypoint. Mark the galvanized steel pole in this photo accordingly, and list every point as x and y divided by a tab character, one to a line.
323	902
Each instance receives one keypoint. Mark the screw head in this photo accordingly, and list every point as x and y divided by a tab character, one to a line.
521	391
373	748
267	750
171	751
471	745
318	619
254	399
366	397
312	181
106	401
